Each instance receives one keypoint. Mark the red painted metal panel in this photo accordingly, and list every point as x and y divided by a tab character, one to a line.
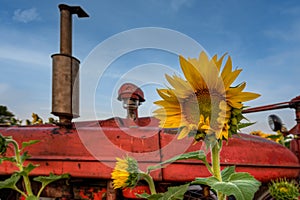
264	159
87	152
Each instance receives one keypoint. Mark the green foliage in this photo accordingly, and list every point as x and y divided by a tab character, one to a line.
10	182
150	197
282	139
23	172
283	189
32	197
239	184
3	145
198	155
244	125
7	117
173	193
36	119
10	159
26	144
27	169
45	180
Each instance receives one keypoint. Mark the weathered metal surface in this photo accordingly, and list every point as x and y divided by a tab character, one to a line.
65	78
264	159
130	91
295	144
131	97
294	104
65	87
87	153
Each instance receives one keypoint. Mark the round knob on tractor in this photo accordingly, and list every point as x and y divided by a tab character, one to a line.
132	97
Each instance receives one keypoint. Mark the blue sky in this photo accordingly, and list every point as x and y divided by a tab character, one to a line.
262	37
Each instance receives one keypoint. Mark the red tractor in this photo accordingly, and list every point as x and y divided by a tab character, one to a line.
88	150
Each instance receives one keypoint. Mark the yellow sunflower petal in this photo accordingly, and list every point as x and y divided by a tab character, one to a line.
219	62
167	104
183	133
230	78
167	95
205	85
227	68
246	96
235	90
235	104
176	82
212	76
191	73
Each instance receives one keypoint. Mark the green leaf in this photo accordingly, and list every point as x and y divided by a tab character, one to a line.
173	193
205	181
10	182
45	180
26	144
24	156
226	172
32	197
244	125
176	192
274	136
28	169
10	159
198	155
150	197
241	185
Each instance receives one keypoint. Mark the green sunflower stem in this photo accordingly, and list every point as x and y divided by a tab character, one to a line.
19	164
216	168
150	182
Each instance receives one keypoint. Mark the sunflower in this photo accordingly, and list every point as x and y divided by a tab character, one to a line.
125	173
205	103
283	189
275	137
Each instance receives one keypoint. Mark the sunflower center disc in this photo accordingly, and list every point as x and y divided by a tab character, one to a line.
202	103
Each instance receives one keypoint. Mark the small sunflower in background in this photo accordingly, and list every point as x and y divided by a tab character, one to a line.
206	103
263	135
283	189
279	137
125	173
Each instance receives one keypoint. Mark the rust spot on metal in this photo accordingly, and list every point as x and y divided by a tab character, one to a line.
55	131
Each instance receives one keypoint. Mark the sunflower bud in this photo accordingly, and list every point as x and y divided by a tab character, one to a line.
234	121
236	111
282	189
125	173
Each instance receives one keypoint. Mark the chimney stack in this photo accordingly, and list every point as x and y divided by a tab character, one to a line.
65	74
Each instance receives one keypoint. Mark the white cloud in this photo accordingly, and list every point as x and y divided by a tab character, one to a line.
20	54
26	16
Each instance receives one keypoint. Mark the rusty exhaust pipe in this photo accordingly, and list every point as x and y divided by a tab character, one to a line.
65	70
